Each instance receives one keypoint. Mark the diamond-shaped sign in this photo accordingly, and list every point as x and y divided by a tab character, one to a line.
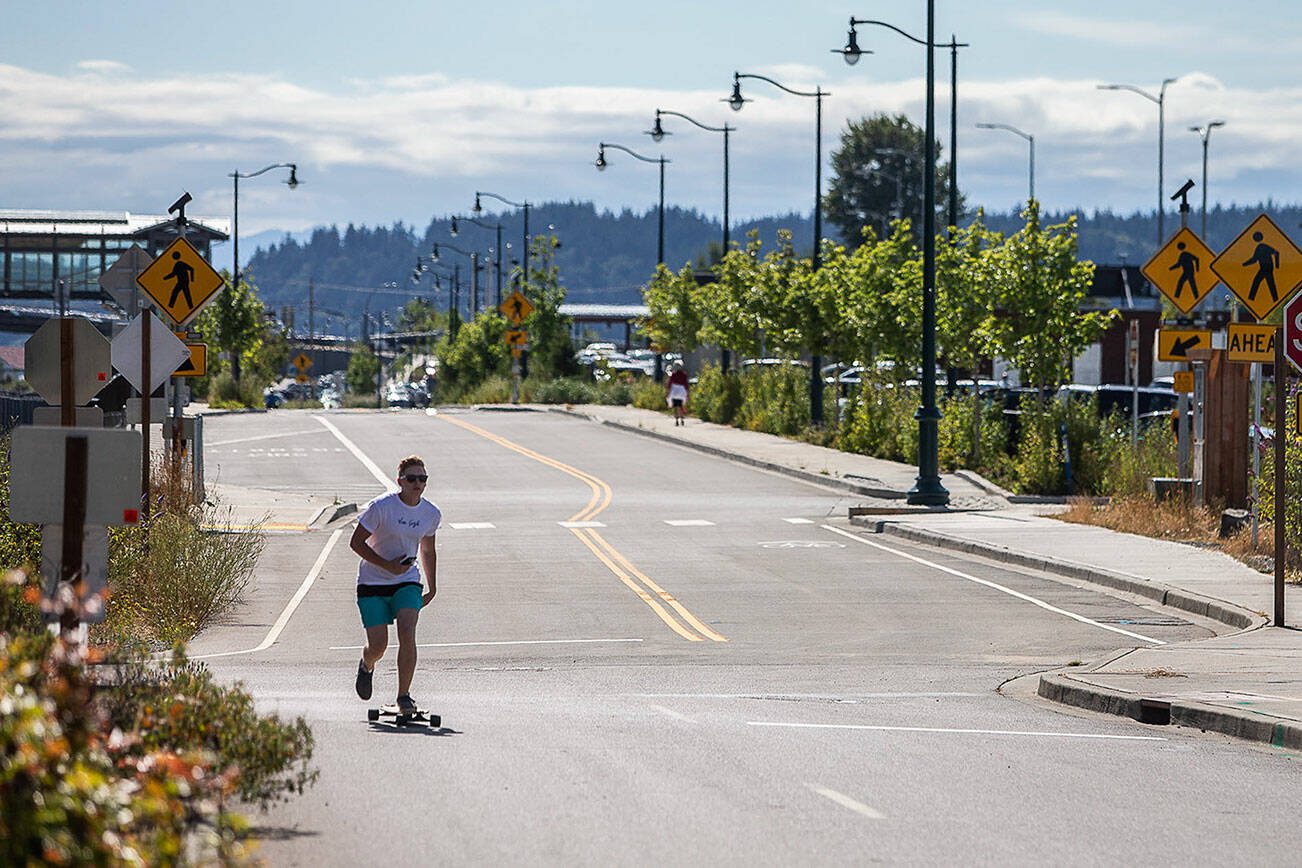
83	344
1182	270
302	362
120	279
1262	267
515	307
166	352
180	281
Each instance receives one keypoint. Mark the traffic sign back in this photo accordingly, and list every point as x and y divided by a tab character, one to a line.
119	281
180	281
1262	266
1181	270
91	362
166	352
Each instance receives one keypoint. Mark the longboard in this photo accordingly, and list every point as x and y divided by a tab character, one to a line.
419	717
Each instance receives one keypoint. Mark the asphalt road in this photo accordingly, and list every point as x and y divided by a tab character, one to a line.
722	669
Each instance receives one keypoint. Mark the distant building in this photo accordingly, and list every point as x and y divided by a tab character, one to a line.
12	360
40	248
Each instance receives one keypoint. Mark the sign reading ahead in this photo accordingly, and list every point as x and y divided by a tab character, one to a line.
1182	270
1262	266
1173	345
515	308
1250	342
180	281
1183	381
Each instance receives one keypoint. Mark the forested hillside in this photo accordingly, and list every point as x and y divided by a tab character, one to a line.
607	256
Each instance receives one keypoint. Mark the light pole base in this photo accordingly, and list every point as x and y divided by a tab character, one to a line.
927	491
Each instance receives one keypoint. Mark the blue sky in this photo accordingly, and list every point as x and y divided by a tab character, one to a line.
401	111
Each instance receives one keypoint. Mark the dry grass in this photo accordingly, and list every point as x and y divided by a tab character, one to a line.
1180	521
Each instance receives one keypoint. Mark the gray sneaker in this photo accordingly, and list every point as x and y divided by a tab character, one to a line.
364	680
406	704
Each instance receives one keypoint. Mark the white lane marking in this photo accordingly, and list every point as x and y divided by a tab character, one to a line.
472	525
955	731
998	587
669	712
688	522
581	523
812	697
389	484
485	644
265	437
306	586
846	802
798	520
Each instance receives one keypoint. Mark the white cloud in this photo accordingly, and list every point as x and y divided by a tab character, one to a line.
104	66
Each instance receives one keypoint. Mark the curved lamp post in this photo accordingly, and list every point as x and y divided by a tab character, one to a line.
474	271
1160	101
737	101
601	167
1205	133
927	490
498	251
851	52
524	206
235	176
1029	138
657	133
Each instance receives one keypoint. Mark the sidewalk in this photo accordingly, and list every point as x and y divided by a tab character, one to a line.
1246	682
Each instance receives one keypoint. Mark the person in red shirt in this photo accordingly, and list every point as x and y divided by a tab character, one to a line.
678	393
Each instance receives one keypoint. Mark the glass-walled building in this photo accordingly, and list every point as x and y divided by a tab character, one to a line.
42	248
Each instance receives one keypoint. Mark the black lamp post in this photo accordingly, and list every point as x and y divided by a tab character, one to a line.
851	52
737	101
498	251
1160	101
927	490
657	133
291	182
601	167
475	267
524	206
1030	140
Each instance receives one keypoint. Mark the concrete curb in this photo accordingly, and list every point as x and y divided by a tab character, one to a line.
331	512
805	475
1060	687
1208	607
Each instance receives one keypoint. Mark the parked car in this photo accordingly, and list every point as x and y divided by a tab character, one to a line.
271	399
397	395
1153	402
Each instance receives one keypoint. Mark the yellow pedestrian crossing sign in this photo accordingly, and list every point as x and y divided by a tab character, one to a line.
515	308
302	362
1182	270
180	281
1262	267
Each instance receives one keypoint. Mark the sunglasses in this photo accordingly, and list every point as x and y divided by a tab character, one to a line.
411	477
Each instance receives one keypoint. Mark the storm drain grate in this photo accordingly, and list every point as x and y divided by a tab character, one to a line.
1147	621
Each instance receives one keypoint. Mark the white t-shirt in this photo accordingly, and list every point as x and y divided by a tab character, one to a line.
396	531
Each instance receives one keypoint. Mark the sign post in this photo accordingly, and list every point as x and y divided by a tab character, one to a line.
1281	432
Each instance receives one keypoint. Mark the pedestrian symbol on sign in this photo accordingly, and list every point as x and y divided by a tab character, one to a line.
1267	259
1188	264
182	273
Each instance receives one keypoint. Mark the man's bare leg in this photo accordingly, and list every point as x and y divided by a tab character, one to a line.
377	639
406	648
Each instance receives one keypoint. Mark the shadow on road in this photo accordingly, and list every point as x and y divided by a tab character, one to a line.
377	726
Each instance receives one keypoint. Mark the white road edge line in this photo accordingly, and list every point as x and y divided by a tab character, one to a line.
846	802
669	712
264	437
996	586
485	644
955	731
306	586
389	484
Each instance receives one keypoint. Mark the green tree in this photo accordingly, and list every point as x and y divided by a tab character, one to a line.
477	352
674	310
1040	285
877	177
732	305
233	322
363	368
550	352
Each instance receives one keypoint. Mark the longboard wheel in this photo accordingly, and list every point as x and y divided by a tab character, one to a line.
372	714
435	721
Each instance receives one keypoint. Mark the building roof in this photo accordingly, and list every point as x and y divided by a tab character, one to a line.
13	357
95	223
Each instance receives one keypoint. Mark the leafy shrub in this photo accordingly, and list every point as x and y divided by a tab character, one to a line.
716	396
563	390
879	421
647	394
958	431
491	390
225	392
774	399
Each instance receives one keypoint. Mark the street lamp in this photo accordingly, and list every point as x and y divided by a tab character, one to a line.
737	101
474	271
1160	100
235	176
657	133
524	206
927	490
878	169
498	251
1029	138
601	167
1205	133
851	53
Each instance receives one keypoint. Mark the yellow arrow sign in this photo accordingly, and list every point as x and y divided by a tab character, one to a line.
1173	345
302	362
1182	270
1262	266
196	365
516	307
516	337
1249	342
180	281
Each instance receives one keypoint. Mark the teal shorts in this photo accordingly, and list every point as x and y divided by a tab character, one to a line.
378	611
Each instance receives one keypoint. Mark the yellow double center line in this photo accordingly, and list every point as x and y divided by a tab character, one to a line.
680	620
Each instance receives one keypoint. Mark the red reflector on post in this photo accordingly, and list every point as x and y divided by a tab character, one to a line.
103	376
130	516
